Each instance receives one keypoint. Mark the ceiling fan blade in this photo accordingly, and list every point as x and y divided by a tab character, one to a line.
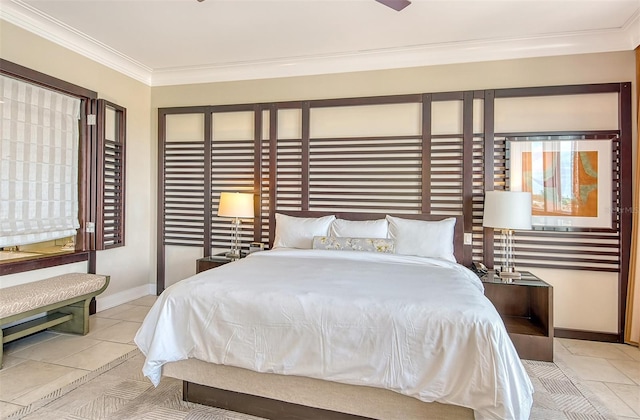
395	4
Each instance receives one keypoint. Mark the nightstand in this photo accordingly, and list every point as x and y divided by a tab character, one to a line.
526	307
213	261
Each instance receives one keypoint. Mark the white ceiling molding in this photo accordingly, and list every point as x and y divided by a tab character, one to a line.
30	19
427	55
632	27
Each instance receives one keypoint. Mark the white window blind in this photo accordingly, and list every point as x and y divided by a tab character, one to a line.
38	163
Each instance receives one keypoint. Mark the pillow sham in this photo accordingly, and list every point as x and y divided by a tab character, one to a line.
298	232
423	238
341	228
382	245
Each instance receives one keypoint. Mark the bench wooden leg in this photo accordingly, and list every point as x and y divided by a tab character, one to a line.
79	324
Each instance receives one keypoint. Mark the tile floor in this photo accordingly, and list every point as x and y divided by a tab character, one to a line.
37	365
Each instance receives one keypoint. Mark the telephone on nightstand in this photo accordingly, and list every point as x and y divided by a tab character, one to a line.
479	268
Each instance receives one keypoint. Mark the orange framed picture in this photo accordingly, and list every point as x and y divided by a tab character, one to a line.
570	181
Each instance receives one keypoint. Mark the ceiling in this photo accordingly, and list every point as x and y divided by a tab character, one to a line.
164	42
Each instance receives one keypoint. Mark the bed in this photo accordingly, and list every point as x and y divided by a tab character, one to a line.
335	324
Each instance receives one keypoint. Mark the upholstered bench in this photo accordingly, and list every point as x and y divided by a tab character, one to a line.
65	299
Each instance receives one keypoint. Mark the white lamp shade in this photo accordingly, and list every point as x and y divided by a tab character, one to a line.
233	204
507	210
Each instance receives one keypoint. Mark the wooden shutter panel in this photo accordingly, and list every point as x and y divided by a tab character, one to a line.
110	176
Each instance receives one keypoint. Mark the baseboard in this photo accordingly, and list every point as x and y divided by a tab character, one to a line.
125	296
587	335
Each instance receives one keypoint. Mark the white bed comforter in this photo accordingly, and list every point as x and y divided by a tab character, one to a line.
421	327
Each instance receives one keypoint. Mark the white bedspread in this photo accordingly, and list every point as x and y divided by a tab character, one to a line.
418	326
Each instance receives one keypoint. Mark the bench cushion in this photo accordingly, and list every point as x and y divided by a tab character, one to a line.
25	297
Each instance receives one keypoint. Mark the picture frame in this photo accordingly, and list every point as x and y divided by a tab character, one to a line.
570	181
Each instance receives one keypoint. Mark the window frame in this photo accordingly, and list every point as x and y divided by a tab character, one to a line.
84	241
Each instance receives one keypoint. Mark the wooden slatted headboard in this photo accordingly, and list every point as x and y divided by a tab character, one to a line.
458	236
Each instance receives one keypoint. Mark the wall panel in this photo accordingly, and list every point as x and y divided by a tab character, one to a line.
232	169
433	153
585	112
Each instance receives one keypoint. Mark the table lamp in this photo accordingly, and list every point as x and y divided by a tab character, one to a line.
507	211
236	205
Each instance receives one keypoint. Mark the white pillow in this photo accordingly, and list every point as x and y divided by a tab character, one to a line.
423	238
298	232
341	228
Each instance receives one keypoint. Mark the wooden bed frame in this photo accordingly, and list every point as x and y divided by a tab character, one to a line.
285	397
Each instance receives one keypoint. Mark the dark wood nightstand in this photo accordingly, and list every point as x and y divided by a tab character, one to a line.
210	262
526	307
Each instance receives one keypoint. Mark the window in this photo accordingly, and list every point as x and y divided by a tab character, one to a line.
64	149
39	170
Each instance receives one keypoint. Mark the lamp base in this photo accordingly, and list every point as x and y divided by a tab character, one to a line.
232	255
510	275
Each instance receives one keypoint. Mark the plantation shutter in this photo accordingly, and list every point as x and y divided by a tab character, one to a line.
110	172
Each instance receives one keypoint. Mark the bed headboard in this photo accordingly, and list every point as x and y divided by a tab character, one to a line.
458	235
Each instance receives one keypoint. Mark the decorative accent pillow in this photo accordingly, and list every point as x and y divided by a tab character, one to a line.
341	228
298	232
383	245
423	238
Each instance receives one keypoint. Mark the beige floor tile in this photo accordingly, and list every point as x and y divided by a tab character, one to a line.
6	409
632	351
594	369
628	418
144	301
32	375
135	314
125	312
49	387
10	360
29	341
559	349
631	368
630	394
609	398
56	348
122	332
114	312
96	356
557	342
594	349
96	324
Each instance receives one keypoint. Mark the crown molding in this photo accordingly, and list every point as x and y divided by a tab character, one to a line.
632	27
32	20
415	56
620	39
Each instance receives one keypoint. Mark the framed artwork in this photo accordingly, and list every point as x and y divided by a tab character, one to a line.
570	181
